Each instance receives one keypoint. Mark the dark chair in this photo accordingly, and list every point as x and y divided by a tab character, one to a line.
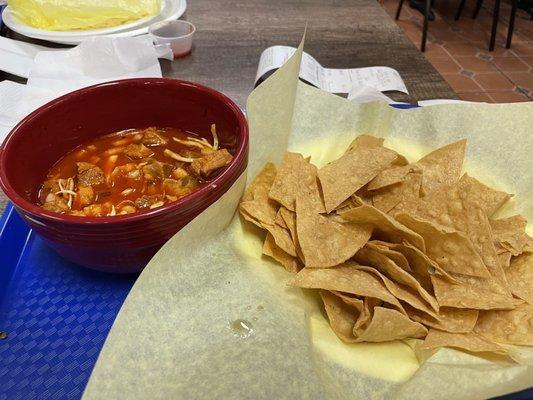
495	20
479	3
426	20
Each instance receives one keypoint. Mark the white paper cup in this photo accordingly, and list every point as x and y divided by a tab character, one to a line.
177	33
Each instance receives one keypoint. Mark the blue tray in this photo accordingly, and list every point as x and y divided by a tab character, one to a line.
56	316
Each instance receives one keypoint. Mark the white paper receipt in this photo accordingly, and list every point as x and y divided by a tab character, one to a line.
330	79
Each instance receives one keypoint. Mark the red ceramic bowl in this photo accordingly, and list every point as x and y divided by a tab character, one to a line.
121	243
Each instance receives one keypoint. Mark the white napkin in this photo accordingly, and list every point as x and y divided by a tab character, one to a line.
96	60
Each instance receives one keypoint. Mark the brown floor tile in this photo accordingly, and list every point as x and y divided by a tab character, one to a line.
438	24
445	66
508	97
510	64
522	79
521	36
479	35
494	81
461	83
446	35
461	49
475	64
522	49
434	50
467	24
408	25
476	96
436	55
528	60
499	49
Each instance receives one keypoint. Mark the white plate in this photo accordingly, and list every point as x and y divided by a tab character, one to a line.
27	30
171	9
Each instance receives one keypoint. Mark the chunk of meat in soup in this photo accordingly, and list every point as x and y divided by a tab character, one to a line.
204	166
151	138
181	187
55	195
48	190
155	170
147	201
85	195
129	170
138	151
99	210
89	174
56	204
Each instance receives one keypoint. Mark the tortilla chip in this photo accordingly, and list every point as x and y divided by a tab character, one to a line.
450	201
465	341
296	177
385	248
259	211
448	319
324	242
508	326
249	218
479	232
369	256
351	202
383	225
290	220
520	277
391	176
351	301
468	191
401	196
369	303
488	199
279	219
505	260
401	292
366	141
452	250
387	324
282	238
341	316
262	182
471	292
400	160
442	166
453	207
346	175
345	278
509	234
419	262
270	249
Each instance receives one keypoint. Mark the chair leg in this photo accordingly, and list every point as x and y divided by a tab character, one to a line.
460	9
495	17
399	10
425	28
479	3
511	24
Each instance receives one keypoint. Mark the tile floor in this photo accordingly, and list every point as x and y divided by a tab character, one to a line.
459	50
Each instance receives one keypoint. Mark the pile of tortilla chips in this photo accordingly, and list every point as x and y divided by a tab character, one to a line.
399	250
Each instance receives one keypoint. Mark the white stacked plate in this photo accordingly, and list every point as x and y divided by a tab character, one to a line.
170	10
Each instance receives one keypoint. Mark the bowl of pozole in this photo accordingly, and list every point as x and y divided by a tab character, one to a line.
107	174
